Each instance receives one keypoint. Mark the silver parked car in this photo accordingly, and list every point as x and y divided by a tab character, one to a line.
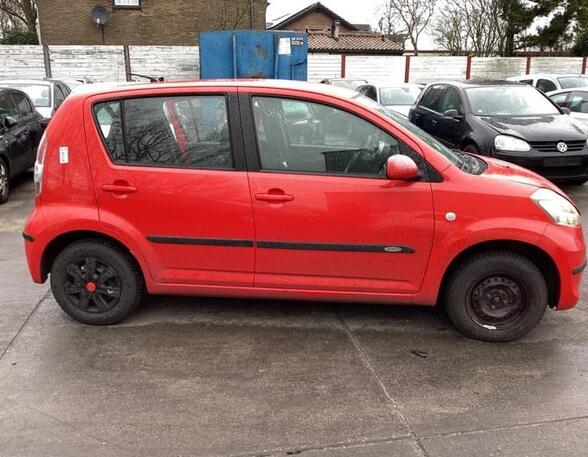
548	82
575	100
397	97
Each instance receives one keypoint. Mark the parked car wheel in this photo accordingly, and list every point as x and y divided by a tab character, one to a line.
498	296
96	283
4	181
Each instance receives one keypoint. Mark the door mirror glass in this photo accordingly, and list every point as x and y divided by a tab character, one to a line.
565	110
451	114
401	168
10	122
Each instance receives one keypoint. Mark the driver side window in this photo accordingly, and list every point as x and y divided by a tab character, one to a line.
325	140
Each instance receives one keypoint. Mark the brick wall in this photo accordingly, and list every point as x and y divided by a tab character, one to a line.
158	22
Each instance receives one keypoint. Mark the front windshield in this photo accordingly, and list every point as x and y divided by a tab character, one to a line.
453	156
403	95
509	101
569	82
40	94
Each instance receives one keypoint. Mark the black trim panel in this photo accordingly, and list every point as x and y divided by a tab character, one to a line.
579	269
200	241
336	247
282	245
27	237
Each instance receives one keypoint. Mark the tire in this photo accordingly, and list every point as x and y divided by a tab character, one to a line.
4	181
96	283
471	148
497	296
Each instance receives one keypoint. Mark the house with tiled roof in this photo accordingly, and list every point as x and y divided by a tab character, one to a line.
330	33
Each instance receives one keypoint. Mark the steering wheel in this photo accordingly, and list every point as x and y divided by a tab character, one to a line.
364	148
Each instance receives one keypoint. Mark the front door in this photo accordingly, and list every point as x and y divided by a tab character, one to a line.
326	217
165	170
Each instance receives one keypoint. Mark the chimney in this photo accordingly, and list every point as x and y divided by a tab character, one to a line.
335	29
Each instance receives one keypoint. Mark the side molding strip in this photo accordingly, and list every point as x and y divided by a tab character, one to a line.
282	245
200	241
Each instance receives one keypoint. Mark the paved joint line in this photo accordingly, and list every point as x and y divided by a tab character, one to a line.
368	364
325	447
27	320
504	427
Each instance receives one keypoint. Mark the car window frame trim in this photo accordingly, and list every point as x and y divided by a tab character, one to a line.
233	121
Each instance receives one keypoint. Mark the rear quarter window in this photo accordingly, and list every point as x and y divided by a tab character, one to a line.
183	132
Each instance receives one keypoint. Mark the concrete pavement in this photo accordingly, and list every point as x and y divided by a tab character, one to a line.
194	376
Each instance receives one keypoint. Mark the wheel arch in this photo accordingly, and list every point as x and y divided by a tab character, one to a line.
59	243
533	253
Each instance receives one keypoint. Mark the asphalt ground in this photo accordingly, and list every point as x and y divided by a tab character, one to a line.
199	376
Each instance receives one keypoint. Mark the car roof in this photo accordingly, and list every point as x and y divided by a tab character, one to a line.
467	83
552	75
569	89
392	84
88	90
7	82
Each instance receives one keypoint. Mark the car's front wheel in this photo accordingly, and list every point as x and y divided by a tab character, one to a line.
96	283
4	181
497	296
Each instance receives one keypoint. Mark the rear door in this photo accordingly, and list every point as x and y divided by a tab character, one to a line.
326	217
31	132
578	105
169	171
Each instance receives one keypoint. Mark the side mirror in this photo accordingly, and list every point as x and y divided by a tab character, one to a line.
401	168
565	110
10	122
452	114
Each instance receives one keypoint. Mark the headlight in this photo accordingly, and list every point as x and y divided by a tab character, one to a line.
560	210
510	143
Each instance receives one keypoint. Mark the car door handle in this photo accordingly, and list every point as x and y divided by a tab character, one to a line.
119	188
434	121
274	198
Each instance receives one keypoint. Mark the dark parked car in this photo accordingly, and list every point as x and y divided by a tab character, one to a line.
20	133
507	120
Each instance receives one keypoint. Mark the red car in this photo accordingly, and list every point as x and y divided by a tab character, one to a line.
267	189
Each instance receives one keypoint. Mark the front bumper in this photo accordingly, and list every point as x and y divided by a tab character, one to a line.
566	247
562	166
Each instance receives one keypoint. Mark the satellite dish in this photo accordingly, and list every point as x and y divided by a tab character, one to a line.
99	15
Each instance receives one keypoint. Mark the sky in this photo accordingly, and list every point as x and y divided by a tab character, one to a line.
355	11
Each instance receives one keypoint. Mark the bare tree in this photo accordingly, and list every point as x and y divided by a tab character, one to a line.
414	15
449	33
471	26
20	13
233	12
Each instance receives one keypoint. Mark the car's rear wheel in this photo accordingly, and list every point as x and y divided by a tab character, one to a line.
498	296
96	283
4	181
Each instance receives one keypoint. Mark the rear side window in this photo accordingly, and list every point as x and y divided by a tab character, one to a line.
7	108
23	104
184	132
432	97
545	85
